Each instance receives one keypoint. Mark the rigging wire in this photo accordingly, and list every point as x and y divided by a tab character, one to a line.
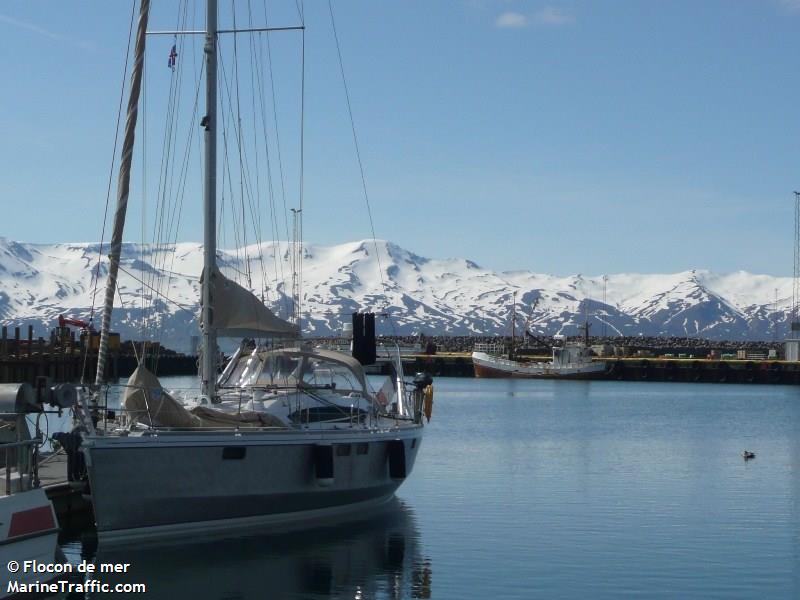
172	190
149	319
164	184
183	176
244	169
274	228
275	117
122	305
300	11
226	170
188	309
256	62
360	164
145	90
299	258
258	225
239	140
277	261
110	177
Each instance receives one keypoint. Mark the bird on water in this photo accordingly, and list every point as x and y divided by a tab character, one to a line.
747	455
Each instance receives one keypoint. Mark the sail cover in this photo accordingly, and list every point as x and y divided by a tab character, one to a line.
147	402
239	313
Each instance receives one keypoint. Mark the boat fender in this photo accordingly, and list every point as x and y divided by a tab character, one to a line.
323	464
396	449
428	401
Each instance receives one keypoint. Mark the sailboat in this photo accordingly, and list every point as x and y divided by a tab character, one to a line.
286	434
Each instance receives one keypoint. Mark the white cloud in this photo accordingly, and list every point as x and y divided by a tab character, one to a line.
511	20
790	5
554	17
548	16
44	32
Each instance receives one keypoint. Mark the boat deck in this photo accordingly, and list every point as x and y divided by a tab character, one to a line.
73	510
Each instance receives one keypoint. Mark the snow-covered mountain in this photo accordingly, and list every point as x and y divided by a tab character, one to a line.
38	282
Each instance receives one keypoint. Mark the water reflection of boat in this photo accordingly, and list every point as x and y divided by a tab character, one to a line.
378	556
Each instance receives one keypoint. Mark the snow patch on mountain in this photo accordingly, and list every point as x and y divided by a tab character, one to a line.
450	296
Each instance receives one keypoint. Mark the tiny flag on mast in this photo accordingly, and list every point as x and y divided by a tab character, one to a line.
173	55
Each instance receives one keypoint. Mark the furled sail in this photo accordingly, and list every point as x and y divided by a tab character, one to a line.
239	313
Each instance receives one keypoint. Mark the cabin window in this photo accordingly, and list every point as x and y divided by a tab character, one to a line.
362	448
234	453
343	450
278	370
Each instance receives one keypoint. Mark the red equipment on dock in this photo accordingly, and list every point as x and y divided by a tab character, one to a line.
64	321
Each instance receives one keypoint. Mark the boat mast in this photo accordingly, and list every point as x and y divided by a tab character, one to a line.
209	364
123	189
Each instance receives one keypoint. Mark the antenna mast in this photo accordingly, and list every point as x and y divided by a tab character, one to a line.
513	322
795	325
605	321
297	258
775	319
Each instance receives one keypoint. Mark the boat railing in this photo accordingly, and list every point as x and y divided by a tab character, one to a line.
490	347
404	407
104	417
23	454
384	350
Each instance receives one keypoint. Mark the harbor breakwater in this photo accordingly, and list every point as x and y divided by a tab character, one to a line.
65	358
700	370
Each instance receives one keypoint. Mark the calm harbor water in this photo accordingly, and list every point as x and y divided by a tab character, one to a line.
541	489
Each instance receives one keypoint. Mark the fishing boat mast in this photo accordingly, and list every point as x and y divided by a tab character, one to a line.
209	360
513	325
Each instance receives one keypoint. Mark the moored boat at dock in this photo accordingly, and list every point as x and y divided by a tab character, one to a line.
572	360
284	434
28	525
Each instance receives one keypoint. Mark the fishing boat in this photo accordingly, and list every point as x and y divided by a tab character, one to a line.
284	434
572	360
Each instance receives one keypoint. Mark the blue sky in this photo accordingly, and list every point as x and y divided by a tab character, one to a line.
561	137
